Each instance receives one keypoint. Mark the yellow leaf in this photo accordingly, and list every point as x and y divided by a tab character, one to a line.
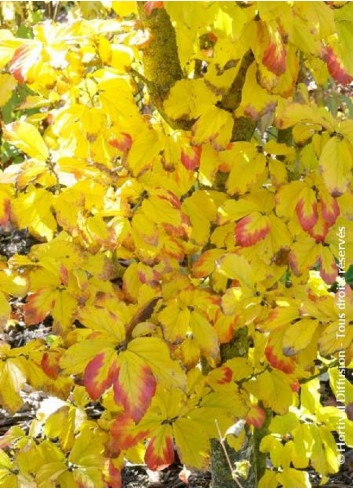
12	380
87	450
293	478
247	167
145	148
284	424
304	254
39	305
13	284
27	138
63	310
336	162
298	336
76	358
189	98
255	100
61	424
175	322
5	310
273	389
303	443
115	96
206	263
33	210
160	449
121	57
7	86
162	208
135	384
269	479
201	207
233	210
235	266
124	9
8	45
241	368
278	452
92	120
206	337
294	113
155	352
215	126
192	443
103	320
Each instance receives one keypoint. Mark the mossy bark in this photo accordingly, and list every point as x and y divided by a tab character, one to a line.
161	60
259	458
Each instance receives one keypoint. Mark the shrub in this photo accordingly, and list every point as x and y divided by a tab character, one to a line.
185	171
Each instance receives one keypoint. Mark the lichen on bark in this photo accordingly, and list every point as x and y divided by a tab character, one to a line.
161	60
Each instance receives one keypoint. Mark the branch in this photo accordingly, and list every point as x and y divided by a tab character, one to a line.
243	126
231	100
162	70
161	60
221	441
321	371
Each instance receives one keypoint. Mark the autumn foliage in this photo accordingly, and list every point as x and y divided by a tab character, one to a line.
188	207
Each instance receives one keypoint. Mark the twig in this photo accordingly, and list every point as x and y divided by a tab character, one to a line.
234	477
140	76
321	371
56	10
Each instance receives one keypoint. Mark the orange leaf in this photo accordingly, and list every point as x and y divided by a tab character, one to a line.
135	385
256	416
307	208
25	58
124	434
328	267
190	157
274	57
160	450
335	67
274	353
39	305
50	364
206	263
330	209
100	373
251	229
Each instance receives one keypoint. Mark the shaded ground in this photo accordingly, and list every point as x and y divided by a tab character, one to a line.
139	476
15	241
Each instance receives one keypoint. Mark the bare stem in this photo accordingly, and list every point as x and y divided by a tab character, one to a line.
221	441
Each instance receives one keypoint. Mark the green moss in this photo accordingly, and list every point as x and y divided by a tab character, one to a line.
237	347
161	60
243	129
231	100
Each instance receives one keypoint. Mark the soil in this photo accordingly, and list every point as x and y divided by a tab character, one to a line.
15	241
139	476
